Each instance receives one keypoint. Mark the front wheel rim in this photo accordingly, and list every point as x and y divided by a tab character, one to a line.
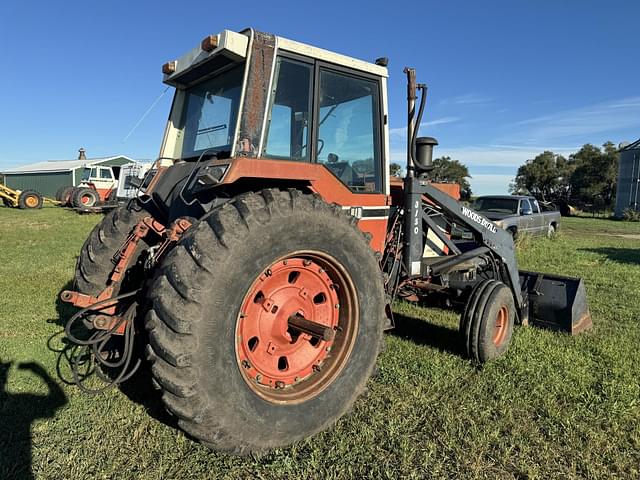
278	362
501	326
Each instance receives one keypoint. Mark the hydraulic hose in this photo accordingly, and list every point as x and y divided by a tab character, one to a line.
96	343
423	99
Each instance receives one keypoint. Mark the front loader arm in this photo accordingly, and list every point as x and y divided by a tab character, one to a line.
490	237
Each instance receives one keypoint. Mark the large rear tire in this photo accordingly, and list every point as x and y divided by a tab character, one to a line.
63	195
84	197
94	262
241	272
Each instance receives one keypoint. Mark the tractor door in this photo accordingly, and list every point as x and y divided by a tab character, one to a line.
103	181
348	129
332	116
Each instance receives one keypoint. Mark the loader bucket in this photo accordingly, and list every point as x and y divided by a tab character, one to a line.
556	302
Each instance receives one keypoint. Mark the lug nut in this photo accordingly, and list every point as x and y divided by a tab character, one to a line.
306	263
246	364
316	368
279	384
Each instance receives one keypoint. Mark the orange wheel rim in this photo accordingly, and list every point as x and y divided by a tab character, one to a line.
278	362
31	201
501	326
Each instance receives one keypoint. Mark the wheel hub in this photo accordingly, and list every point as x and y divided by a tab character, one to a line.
271	351
500	327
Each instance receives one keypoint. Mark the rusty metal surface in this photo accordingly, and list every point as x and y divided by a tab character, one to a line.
256	94
583	324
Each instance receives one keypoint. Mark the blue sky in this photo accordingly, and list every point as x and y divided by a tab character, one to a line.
507	79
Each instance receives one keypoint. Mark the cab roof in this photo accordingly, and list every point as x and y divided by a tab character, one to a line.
230	47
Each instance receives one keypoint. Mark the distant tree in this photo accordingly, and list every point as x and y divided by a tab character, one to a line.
546	177
395	170
452	171
595	173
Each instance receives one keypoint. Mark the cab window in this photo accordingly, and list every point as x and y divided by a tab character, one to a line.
105	174
288	123
348	138
525	205
534	206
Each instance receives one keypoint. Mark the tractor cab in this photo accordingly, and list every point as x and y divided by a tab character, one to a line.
252	106
100	178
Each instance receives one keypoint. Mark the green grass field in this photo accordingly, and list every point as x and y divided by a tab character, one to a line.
554	407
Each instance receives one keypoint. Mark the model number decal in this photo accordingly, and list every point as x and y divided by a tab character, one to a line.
479	219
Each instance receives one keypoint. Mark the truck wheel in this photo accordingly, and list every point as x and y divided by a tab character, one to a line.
84	197
232	367
63	195
30	199
94	262
487	321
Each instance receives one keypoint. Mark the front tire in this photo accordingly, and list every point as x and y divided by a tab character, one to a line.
487	321
235	272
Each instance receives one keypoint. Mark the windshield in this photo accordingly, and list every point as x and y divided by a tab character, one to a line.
497	205
88	173
210	114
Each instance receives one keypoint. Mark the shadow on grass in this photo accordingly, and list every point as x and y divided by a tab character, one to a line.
422	332
18	411
621	255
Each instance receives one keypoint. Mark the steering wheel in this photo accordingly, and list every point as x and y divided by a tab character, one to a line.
362	167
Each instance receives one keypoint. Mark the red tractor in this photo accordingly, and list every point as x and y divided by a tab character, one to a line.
259	268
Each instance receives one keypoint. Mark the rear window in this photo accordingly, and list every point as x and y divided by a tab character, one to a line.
496	205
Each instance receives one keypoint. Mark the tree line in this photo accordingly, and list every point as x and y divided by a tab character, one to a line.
588	176
445	170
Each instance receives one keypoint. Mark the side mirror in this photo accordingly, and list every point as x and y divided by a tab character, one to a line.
526	211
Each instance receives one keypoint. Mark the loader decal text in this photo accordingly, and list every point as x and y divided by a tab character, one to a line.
479	219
